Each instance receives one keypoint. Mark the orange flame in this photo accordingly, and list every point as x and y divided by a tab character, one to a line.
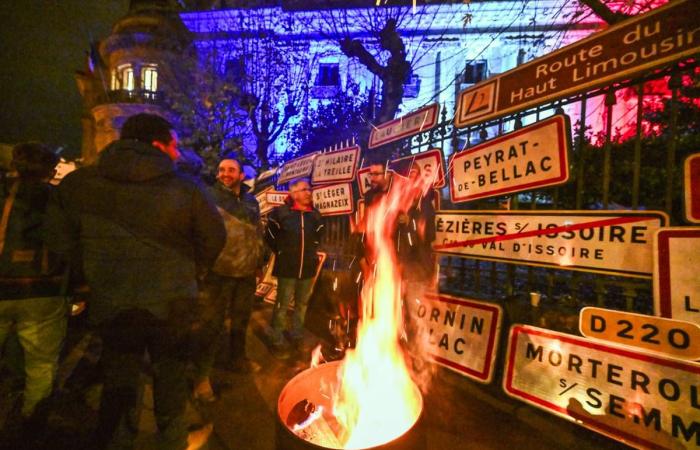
377	401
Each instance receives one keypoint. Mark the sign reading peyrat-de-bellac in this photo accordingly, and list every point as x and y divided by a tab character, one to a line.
643	400
676	277
530	158
636	45
461	334
613	242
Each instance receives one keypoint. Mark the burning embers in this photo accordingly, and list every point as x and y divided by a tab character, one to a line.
368	399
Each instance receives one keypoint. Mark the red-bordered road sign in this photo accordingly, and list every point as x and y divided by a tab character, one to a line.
334	199
676	279
691	188
336	166
530	158
415	122
643	400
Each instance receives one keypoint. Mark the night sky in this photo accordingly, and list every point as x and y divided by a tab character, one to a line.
42	43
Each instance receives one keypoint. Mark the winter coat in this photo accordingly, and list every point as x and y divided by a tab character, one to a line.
141	230
295	237
242	255
27	268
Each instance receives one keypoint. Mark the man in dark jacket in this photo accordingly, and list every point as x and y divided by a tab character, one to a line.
31	278
294	233
231	283
141	232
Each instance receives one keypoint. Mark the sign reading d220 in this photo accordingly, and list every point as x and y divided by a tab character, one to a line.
334	200
530	158
622	51
645	401
614	242
461	334
691	186
669	337
676	278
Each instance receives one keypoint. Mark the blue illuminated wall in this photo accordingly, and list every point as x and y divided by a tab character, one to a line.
448	50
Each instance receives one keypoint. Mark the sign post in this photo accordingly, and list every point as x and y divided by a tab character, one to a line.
640	43
461	334
691	188
613	242
530	158
676	280
645	401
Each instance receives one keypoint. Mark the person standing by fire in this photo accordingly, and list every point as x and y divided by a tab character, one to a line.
294	232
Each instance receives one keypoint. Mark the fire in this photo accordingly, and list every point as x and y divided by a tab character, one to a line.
377	401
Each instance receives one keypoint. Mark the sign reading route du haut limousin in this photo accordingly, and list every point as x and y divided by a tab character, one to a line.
530	158
613	242
638	44
643	400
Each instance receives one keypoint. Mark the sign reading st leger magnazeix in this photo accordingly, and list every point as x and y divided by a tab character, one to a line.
334	199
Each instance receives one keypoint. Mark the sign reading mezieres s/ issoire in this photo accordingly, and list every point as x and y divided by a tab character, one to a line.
643	400
532	157
420	120
613	242
666	34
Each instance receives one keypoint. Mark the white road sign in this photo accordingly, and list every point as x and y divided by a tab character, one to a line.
615	242
333	200
336	166
297	168
642	400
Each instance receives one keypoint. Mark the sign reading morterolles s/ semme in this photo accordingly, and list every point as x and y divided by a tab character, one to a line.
691	188
676	278
412	123
335	166
645	401
666	34
334	200
533	157
297	168
675	338
613	242
462	334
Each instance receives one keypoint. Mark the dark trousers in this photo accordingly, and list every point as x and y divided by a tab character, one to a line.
125	339
221	294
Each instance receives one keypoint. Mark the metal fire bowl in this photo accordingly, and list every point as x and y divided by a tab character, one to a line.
306	385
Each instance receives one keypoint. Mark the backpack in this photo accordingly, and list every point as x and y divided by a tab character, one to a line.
23	254
243	252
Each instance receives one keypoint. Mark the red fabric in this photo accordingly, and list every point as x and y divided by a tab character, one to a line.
298	207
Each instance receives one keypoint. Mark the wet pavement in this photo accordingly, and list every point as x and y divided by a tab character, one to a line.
458	414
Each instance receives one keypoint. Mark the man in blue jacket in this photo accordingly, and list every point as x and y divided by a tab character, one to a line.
140	231
294	232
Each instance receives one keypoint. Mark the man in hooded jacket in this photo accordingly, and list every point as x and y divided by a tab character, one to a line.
140	231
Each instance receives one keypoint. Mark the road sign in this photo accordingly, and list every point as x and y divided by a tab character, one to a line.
276	198
669	337
412	123
622	51
461	334
676	279
297	168
643	400
336	166
430	163
261	197
614	242
691	188
530	158
334	199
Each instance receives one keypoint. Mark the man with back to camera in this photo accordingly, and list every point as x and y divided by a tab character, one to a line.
294	232
231	282
140	231
32	279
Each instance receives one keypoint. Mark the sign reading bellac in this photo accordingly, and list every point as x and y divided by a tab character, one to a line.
638	44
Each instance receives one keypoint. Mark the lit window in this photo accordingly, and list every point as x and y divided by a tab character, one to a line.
123	78
149	78
328	75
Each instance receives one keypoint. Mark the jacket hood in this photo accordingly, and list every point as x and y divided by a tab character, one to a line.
131	160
